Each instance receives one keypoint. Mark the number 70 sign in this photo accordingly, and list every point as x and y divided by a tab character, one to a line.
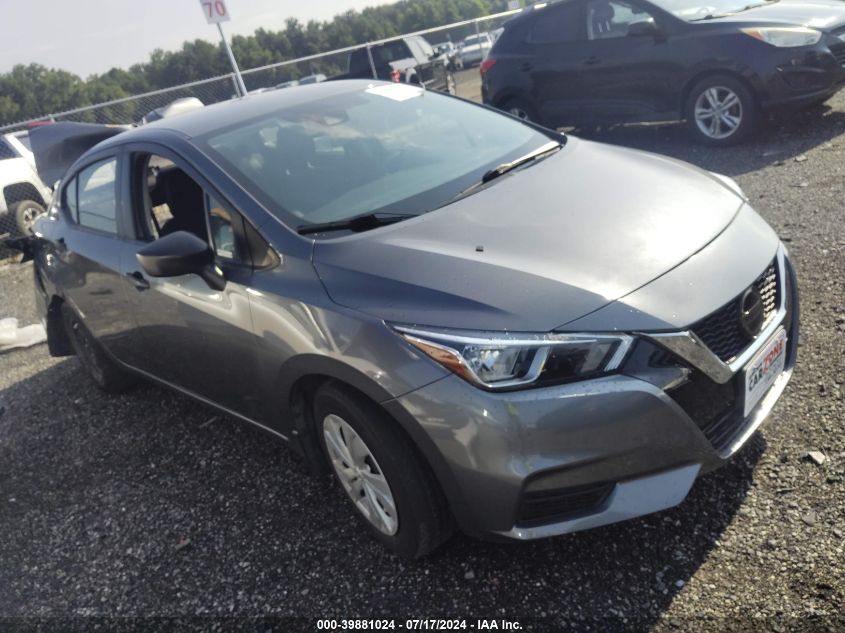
215	11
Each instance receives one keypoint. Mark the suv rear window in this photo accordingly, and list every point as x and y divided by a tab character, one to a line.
6	151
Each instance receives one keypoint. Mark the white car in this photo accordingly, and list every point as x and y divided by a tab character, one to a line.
23	196
475	48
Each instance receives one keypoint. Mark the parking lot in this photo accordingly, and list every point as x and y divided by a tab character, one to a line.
150	505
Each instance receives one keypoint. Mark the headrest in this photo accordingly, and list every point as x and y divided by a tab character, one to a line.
603	12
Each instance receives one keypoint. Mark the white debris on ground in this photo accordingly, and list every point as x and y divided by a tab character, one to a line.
12	336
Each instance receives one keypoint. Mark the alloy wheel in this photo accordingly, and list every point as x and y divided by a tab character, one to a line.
30	214
519	113
718	112
360	474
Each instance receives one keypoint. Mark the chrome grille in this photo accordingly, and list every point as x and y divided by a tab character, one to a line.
721	331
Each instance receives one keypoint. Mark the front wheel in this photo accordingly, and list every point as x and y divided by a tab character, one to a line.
721	110
391	488
521	109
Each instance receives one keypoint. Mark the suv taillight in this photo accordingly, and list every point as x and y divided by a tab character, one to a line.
486	65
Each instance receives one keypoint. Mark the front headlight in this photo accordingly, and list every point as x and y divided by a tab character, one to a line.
785	37
496	360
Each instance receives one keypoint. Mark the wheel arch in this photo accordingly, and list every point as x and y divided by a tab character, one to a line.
715	72
510	94
19	191
300	378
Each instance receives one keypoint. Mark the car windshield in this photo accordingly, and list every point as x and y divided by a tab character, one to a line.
386	148
692	10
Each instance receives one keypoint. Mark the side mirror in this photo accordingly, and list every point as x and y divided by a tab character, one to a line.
181	253
643	28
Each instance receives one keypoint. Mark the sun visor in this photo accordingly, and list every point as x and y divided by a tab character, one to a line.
57	146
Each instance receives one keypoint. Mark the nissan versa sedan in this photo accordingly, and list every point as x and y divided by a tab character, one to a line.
719	64
446	307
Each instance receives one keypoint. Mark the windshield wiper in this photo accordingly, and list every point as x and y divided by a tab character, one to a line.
504	168
492	174
357	224
748	7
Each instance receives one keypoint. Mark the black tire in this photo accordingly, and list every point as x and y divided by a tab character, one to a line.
745	109
107	375
26	212
522	109
421	513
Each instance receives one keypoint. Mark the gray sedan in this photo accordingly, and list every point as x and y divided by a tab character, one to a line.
466	319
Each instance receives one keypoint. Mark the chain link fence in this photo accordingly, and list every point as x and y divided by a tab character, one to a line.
462	45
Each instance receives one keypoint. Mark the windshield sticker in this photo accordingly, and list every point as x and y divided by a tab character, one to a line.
397	92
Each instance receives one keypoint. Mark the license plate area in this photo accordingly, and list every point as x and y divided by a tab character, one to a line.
763	370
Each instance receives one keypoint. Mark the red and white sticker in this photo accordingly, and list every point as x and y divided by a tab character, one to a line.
764	369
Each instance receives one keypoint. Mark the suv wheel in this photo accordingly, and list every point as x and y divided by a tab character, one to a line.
26	212
721	111
393	491
521	109
103	370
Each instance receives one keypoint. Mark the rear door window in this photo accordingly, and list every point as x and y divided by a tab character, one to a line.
558	24
97	196
610	20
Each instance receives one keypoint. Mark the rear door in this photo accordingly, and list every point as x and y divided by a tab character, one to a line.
629	77
87	252
555	63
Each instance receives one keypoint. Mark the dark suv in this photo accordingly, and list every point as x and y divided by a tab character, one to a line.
719	65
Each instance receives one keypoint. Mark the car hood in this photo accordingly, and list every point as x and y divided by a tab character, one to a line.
819	14
538	248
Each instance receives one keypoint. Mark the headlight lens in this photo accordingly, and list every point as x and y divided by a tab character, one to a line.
495	360
785	37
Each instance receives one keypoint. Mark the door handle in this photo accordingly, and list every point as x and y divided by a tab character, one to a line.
591	61
138	280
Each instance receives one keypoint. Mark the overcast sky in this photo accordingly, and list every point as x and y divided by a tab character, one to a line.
91	36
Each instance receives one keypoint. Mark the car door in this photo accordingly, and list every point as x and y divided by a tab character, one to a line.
629	77
554	62
86	250
192	336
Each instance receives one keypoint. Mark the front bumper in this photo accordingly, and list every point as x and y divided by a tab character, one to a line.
805	78
536	463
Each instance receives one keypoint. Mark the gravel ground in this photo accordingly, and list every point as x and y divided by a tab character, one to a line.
150	505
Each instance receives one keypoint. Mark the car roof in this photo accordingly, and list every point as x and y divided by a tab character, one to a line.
220	115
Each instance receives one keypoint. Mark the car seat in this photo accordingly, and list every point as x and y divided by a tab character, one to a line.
601	20
184	197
